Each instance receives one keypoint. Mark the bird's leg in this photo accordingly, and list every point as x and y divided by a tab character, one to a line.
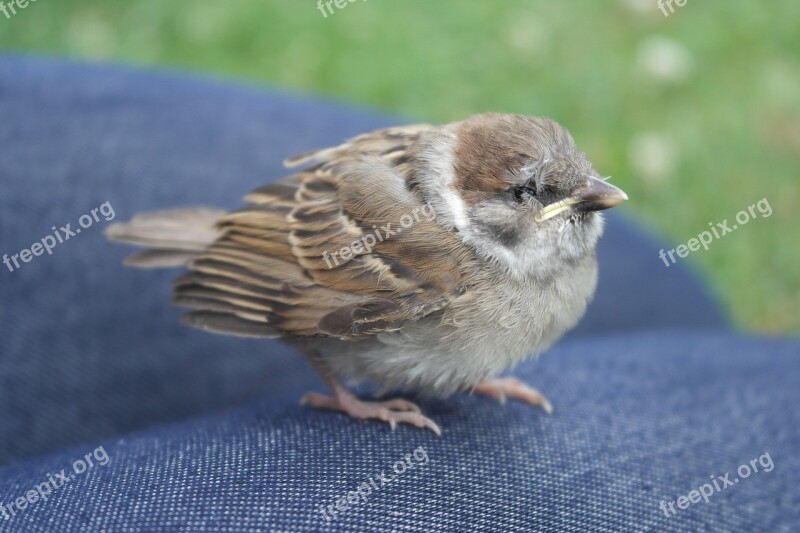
502	388
392	411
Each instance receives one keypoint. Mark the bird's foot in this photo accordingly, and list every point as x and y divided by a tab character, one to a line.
502	388
392	411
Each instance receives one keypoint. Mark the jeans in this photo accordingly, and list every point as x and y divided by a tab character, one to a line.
116	418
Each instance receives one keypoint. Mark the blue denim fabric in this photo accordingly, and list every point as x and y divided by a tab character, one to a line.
92	351
639	418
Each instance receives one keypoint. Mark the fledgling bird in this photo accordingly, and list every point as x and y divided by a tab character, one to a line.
417	258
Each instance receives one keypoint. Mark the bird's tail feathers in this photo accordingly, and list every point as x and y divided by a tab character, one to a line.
172	238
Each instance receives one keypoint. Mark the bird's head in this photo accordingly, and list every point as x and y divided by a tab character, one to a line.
521	193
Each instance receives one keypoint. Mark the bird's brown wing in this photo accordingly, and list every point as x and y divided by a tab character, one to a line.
273	271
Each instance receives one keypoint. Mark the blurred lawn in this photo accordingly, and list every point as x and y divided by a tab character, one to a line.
696	115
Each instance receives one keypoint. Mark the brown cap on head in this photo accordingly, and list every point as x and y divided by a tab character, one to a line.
492	144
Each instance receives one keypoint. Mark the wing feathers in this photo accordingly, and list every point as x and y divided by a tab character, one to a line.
342	248
228	324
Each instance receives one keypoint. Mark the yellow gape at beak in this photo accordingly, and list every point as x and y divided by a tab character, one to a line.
594	195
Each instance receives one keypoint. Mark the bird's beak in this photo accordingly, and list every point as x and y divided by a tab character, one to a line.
594	195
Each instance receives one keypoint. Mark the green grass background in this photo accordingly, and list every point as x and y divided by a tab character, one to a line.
718	131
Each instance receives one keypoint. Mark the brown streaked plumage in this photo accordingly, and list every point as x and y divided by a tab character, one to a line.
495	263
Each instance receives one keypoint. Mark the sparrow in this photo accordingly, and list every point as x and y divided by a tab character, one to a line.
424	259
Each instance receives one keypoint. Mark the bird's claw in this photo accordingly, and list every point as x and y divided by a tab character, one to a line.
393	411
503	388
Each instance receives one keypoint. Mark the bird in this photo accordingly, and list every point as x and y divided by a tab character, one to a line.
421	259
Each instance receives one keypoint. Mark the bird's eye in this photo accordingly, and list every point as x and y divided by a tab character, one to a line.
523	192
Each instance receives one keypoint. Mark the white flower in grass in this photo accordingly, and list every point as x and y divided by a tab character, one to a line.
640	7
652	156
664	60
527	34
